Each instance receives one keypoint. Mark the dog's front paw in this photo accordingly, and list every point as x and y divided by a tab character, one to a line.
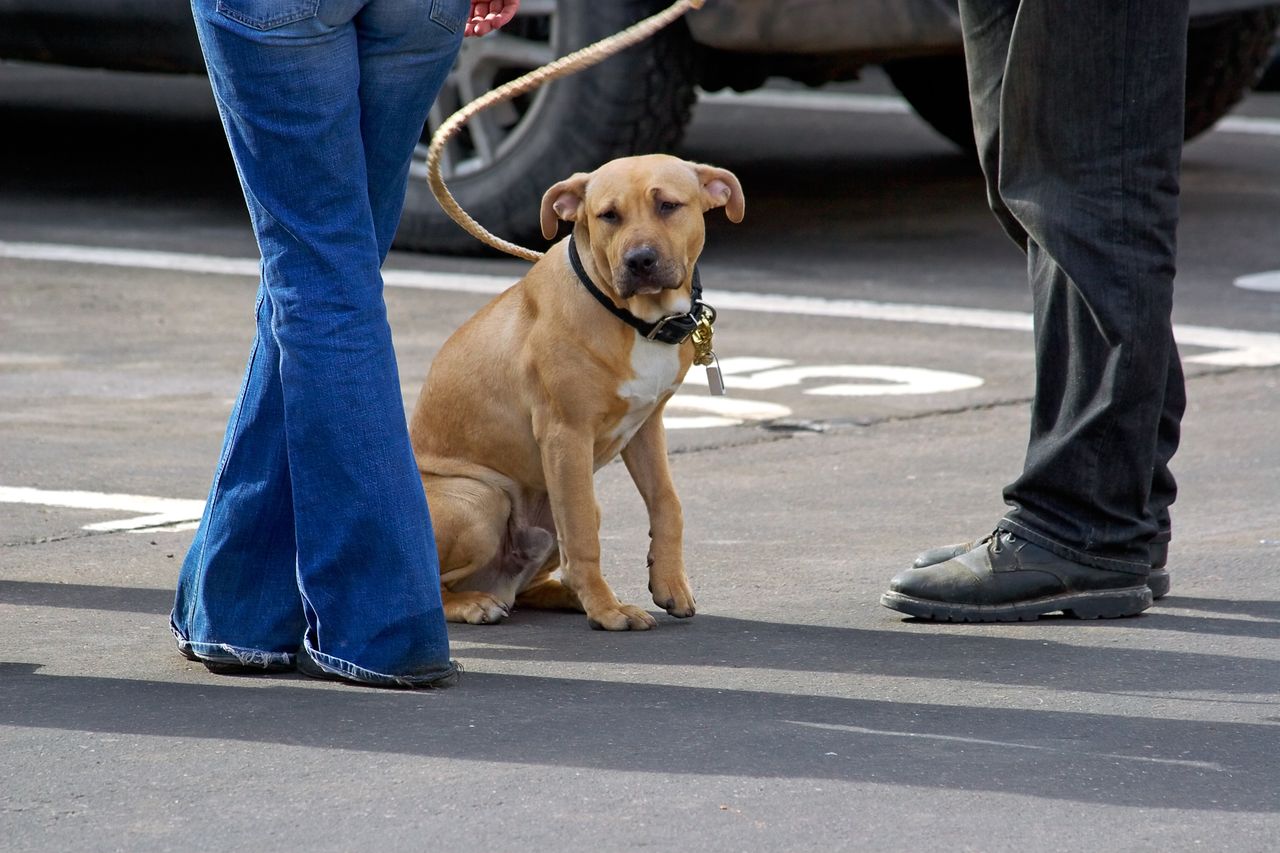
476	608
624	617
674	596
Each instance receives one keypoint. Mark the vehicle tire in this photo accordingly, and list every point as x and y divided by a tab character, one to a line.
938	90
1225	55
1270	79
505	158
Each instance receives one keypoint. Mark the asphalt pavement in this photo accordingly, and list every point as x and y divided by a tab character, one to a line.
874	330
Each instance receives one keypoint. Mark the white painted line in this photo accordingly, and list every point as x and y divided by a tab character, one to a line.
715	411
884	379
847	102
1247	124
132	258
1004	744
160	512
486	285
1233	348
832	102
1265	281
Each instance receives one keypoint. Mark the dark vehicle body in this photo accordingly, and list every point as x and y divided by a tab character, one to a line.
641	100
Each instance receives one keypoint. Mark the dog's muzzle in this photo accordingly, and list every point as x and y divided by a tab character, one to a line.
644	272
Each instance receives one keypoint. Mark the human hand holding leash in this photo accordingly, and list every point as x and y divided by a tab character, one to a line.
489	15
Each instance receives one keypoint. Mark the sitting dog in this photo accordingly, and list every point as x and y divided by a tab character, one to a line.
553	379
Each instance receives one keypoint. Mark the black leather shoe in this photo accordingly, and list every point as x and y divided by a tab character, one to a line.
1158	580
1006	579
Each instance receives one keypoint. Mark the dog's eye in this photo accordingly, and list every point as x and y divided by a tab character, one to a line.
610	216
669	206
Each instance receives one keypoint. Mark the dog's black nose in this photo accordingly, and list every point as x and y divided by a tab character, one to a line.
640	260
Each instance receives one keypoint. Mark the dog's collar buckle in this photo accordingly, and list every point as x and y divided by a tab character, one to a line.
675	327
659	326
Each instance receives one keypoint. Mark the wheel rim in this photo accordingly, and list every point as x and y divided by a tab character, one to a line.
533	38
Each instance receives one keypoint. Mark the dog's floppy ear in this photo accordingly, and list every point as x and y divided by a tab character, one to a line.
562	202
720	188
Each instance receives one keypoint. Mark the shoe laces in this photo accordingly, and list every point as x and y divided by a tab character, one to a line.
999	539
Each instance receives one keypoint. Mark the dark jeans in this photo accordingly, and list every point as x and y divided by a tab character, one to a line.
1078	117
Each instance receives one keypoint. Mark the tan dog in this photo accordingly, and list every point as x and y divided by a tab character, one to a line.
543	386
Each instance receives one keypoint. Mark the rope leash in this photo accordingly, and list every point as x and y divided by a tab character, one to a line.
571	63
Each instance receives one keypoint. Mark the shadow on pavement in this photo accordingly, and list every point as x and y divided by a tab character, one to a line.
908	652
924	652
1083	757
123	599
1258	609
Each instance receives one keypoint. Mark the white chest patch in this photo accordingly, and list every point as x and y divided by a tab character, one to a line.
656	367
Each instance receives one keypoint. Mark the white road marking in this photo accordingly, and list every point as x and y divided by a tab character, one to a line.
846	102
886	380
160	513
146	259
716	411
1267	281
1232	347
861	730
1248	124
832	102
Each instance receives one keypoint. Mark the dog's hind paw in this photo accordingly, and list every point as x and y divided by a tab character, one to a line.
624	617
475	608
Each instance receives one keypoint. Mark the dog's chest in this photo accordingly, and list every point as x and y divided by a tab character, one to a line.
657	370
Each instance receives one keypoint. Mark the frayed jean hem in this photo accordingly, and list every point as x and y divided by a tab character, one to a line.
227	653
443	676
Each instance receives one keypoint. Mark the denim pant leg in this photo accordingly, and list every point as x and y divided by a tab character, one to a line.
400	75
1078	120
237	599
288	90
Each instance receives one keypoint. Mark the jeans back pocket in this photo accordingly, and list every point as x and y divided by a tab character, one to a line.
450	14
268	14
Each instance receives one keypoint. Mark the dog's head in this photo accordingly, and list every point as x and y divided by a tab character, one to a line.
639	219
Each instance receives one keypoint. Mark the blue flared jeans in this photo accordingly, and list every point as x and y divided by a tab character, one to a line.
1078	117
316	532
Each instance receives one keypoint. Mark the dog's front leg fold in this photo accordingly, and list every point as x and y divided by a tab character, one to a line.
567	466
646	460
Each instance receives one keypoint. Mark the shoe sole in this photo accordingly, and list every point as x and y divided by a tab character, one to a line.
1158	581
244	669
1107	604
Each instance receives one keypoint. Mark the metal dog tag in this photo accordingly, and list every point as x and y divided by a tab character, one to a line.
715	382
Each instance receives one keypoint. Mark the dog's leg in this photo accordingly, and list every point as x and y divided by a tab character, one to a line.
540	590
469	519
646	460
567	466
547	593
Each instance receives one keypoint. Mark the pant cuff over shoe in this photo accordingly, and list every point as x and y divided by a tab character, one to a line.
320	665
1082	557
224	657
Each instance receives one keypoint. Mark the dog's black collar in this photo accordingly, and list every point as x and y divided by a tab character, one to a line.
673	329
